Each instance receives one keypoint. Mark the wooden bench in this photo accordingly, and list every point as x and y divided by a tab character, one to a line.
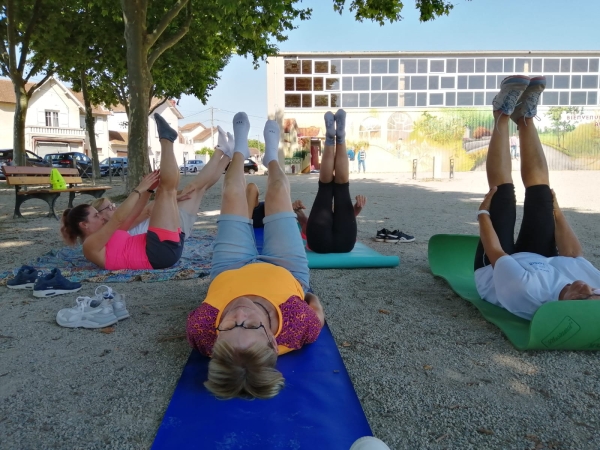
34	182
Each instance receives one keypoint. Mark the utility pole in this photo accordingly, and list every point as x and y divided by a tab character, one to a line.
212	126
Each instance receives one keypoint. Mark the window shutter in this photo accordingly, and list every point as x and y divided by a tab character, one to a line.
63	120
41	117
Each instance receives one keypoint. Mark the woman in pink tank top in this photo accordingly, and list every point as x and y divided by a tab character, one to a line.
109	245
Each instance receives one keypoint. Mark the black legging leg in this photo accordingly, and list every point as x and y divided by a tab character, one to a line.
344	220
319	228
503	212
538	226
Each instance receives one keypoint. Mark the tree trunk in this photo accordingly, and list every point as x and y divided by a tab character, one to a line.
139	82
90	125
22	103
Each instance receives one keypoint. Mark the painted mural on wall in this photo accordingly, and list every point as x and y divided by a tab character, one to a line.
393	140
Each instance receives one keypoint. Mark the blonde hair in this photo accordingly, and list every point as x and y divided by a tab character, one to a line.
97	203
248	373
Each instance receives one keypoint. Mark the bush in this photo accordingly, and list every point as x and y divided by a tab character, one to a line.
481	132
205	151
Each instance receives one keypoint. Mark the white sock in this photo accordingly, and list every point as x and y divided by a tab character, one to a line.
340	126
271	134
231	144
241	128
329	128
222	143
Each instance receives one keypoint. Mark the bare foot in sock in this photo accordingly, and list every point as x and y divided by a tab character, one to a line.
222	143
340	126
241	128
164	129
231	143
329	128
271	134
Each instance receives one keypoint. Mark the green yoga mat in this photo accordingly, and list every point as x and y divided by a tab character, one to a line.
570	325
360	256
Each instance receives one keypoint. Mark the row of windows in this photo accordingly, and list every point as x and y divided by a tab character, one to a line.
452	65
431	82
392	99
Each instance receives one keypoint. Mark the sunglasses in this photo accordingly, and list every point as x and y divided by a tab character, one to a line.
110	206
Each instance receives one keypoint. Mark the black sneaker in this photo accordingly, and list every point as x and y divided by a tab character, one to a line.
381	235
398	236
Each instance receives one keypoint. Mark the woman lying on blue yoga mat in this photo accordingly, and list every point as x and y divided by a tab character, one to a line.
109	245
545	263
256	307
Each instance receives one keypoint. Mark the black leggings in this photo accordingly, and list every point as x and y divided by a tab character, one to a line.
537	228
332	230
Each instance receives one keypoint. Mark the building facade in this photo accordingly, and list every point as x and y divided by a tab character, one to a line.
403	106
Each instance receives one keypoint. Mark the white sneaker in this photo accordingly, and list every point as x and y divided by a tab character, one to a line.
105	296
86	316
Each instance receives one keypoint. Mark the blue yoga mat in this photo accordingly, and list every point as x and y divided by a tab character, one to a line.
360	257
317	409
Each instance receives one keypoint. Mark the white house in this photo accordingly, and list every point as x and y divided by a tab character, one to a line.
118	126
55	120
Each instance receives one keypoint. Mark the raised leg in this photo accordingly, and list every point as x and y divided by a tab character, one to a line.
498	165
328	157
534	167
341	164
234	185
277	197
165	214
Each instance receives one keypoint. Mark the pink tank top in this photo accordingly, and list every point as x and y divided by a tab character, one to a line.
124	251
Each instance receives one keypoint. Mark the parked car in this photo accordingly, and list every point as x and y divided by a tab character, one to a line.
118	164
65	160
6	157
193	165
250	167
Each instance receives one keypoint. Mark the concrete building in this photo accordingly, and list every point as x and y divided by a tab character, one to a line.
403	106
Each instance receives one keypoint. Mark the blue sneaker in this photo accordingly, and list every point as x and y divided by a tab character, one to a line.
511	89
25	278
54	284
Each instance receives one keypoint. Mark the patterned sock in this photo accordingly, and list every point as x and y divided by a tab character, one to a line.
329	128
340	126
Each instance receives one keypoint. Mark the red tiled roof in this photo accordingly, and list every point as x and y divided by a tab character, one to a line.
309	131
118	137
191	126
204	134
288	124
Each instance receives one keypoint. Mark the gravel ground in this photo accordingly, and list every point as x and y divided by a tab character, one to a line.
429	371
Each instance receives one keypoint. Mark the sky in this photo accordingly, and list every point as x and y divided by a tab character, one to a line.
471	25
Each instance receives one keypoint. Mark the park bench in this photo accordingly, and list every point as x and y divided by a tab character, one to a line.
34	182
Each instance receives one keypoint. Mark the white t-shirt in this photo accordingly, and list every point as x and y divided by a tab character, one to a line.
522	282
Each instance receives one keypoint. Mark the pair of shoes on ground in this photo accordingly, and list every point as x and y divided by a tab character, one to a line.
519	96
102	310
49	285
394	236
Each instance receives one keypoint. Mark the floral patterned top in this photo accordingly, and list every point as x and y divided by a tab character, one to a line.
298	323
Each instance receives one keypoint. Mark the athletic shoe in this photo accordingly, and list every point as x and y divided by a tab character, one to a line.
511	89
54	284
529	99
381	234
86	316
105	296
25	278
398	236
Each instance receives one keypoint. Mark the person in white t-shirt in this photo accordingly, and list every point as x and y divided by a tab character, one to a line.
546	262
